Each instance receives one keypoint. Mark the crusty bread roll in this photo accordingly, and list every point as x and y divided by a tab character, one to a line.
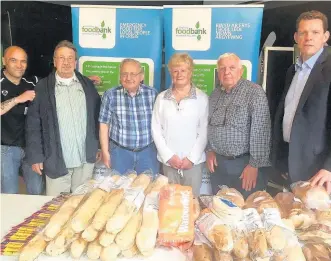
302	218
232	195
324	217
260	200
221	237
258	243
240	247
285	201
313	197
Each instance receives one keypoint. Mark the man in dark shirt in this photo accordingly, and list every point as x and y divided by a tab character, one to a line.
16	93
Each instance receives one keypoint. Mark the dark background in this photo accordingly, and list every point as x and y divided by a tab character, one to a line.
38	26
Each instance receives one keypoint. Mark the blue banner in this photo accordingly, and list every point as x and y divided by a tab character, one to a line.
105	35
206	32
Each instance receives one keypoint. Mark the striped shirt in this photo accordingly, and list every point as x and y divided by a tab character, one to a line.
129	118
239	123
71	113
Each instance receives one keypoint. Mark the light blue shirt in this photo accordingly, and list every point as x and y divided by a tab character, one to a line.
302	72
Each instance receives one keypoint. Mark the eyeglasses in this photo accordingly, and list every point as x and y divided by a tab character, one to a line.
132	75
63	59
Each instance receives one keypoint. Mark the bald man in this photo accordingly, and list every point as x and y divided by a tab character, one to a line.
16	93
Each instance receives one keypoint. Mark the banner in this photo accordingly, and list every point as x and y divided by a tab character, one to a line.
105	35
206	32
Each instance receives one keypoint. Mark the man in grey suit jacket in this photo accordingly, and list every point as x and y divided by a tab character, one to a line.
302	128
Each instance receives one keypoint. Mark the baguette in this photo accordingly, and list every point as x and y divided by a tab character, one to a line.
127	207
126	238
106	239
110	253
94	250
77	248
60	218
90	233
107	209
131	252
33	248
85	213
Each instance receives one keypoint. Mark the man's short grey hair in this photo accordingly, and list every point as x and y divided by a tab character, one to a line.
130	60
226	55
68	44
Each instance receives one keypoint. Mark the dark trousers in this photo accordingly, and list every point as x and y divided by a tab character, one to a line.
228	173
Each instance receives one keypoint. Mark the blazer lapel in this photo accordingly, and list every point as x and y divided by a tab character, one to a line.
315	75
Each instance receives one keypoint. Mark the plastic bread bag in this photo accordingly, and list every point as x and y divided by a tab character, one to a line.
276	231
146	237
133	199
256	234
323	217
317	233
313	197
260	200
317	252
215	230
240	246
176	224
232	195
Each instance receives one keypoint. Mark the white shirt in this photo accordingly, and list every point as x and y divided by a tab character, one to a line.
295	91
181	128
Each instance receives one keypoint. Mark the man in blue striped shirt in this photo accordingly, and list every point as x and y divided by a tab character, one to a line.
125	122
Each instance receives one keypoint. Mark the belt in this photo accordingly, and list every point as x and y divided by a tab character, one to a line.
133	150
235	157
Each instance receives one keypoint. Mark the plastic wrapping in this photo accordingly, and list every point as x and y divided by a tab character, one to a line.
176	216
215	230
313	197
317	252
146	237
132	201
255	232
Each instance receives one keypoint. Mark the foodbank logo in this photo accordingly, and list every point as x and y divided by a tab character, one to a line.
197	32
103	30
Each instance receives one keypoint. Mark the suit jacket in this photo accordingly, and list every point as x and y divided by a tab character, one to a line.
309	149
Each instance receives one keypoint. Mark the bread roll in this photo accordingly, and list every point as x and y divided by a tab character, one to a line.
240	247
285	201
221	237
232	195
110	253
258	243
316	252
260	200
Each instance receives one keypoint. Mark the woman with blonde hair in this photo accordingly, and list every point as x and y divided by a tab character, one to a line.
179	125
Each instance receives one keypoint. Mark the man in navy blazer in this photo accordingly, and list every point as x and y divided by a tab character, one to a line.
302	127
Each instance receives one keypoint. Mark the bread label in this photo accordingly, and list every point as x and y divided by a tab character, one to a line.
152	202
270	218
228	203
107	184
206	223
252	220
124	182
86	187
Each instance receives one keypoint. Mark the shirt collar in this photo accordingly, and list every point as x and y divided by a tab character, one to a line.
63	82
310	62
125	91
192	94
234	87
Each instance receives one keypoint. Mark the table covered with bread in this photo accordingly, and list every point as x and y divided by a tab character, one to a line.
142	217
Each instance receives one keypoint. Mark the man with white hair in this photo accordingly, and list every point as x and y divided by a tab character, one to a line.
238	130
